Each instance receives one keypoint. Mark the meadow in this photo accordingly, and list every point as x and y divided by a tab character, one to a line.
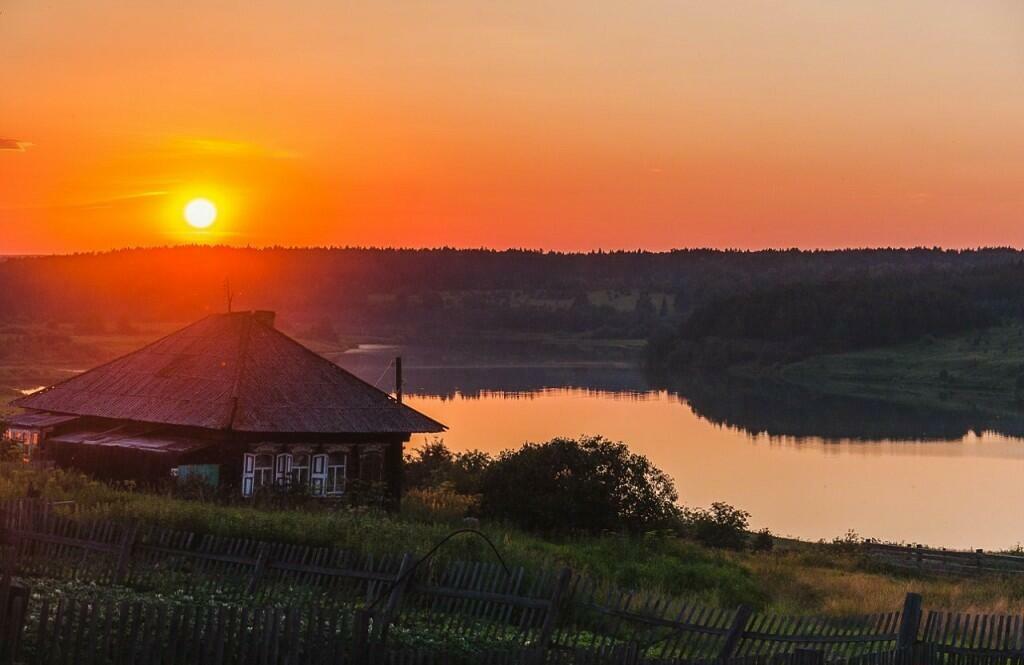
977	370
794	578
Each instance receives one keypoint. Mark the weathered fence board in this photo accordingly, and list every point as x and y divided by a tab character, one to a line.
321	605
945	561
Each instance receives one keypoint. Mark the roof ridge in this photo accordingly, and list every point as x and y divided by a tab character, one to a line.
243	347
341	370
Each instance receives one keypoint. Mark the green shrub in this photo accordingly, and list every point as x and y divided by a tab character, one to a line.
720	526
434	465
763	541
588	484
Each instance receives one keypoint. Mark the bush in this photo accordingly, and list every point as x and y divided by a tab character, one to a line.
719	526
588	484
434	465
763	541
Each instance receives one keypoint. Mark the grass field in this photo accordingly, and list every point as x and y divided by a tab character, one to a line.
795	578
981	370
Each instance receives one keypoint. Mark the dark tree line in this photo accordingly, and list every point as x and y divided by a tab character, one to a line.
793	321
436	292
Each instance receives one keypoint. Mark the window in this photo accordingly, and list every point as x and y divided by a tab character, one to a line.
300	470
283	469
257	471
371	466
263	471
335	483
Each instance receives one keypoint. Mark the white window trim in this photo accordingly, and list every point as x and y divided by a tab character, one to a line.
282	469
317	474
248	473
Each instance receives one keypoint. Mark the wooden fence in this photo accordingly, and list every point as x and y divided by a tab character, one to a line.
924	559
271	603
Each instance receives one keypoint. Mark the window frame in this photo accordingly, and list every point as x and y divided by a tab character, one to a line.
263	476
331	480
298	469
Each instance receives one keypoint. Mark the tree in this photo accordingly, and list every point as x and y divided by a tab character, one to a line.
588	484
720	526
434	465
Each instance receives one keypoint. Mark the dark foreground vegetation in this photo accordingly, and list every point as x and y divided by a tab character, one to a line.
706	555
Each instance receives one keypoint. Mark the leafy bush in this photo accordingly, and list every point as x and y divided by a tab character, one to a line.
434	465
719	526
763	541
588	484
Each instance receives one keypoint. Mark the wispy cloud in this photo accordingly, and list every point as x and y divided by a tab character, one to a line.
14	145
108	202
115	200
210	146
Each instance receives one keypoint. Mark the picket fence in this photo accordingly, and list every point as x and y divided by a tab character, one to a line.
271	603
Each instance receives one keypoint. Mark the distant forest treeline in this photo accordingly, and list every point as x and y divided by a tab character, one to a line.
692	294
793	321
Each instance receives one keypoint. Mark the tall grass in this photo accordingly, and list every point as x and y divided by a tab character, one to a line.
802	578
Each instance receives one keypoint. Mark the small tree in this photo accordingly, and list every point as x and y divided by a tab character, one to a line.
587	484
719	526
434	465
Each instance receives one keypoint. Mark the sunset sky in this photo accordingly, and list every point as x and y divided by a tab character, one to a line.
544	124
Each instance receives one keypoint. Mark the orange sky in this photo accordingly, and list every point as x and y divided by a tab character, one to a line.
562	125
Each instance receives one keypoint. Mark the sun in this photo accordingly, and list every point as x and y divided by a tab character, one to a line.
200	213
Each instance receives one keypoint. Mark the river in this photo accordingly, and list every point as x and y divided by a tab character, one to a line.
803	465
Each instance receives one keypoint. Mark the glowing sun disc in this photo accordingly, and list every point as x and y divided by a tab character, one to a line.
200	213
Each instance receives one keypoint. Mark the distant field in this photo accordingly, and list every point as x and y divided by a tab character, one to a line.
978	370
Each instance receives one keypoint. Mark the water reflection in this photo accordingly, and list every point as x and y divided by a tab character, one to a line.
756	407
803	464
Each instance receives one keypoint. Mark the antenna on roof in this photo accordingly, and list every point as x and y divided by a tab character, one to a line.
227	292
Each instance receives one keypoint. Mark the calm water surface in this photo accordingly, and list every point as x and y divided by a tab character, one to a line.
936	481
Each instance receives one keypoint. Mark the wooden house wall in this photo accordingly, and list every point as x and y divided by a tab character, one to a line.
149	468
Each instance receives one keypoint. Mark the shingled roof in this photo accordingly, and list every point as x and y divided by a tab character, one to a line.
231	371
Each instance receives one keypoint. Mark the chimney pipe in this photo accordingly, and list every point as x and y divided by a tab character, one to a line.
265	317
398	379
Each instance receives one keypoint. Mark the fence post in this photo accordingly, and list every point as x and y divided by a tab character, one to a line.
402	580
547	629
910	621
124	555
257	571
13	614
361	637
736	630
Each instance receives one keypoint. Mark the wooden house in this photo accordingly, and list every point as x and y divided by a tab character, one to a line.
229	395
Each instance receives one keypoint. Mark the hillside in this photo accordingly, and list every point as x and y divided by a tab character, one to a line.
979	370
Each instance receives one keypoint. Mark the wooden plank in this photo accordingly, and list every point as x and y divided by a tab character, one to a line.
66	541
736	631
470	594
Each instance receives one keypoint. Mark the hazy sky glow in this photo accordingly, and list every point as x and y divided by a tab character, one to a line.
562	125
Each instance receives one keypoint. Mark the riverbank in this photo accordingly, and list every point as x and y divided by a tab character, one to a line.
979	371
